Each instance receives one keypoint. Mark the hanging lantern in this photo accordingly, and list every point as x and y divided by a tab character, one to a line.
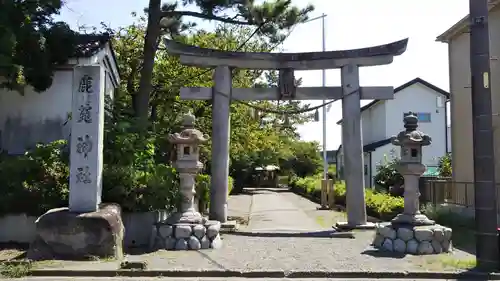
316	115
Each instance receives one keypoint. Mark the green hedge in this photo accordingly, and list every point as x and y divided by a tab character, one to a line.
203	190
380	205
39	180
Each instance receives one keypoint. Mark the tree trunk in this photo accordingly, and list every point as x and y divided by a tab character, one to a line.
141	100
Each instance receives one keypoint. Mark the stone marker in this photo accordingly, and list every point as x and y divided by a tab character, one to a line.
87	228
412	232
348	61
87	135
187	229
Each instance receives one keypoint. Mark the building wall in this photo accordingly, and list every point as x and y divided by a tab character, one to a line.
461	109
419	98
39	117
373	124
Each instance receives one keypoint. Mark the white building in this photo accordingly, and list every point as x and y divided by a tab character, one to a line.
382	119
31	117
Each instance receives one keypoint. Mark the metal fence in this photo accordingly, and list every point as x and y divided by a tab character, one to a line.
446	191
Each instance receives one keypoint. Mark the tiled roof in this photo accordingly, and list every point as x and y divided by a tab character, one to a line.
89	44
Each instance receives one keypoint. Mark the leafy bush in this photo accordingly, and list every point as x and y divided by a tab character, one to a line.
378	204
387	177
444	165
36	181
203	190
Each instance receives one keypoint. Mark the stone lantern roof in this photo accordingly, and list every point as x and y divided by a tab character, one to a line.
411	135
189	135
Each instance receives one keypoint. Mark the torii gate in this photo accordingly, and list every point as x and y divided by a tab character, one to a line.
350	92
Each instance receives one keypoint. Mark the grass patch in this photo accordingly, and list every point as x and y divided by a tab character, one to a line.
15	270
446	262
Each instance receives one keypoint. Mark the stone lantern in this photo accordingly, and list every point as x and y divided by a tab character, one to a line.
187	229
412	232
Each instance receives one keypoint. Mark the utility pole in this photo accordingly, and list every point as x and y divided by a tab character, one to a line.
482	127
323	78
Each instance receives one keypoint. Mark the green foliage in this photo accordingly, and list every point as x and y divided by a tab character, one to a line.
387	176
444	165
304	159
378	204
32	43
203	190
36	181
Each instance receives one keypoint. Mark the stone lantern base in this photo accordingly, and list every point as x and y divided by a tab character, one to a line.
186	236
409	239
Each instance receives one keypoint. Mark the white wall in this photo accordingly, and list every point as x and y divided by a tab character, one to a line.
373	123
418	98
35	117
39	117
380	155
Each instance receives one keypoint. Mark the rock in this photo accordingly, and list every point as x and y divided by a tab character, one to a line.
447	233
439	234
405	234
438	249
159	243
170	243
205	243
181	244
61	234
182	231
423	233
152	237
425	248
412	246
446	246
377	242
387	245
213	229
216	242
194	243
388	232
165	230
399	246
199	231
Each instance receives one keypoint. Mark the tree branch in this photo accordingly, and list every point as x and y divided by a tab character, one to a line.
204	16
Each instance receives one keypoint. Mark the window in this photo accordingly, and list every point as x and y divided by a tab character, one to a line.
423	117
186	150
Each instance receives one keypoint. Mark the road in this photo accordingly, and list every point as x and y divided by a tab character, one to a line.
201	279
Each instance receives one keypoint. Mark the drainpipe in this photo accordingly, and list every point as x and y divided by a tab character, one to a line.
446	125
370	168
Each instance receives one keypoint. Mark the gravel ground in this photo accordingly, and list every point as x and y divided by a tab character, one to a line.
269	242
195	279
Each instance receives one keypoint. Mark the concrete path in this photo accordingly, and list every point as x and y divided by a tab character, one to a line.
200	279
273	211
269	243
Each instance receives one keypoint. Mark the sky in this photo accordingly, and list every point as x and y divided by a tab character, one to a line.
349	24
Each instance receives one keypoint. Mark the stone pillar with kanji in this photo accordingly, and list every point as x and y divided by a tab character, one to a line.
187	229
411	231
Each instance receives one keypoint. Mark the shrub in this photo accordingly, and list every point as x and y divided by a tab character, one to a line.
378	204
36	181
387	177
444	165
203	190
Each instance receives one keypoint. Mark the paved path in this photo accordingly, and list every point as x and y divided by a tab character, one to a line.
269	243
203	279
273	211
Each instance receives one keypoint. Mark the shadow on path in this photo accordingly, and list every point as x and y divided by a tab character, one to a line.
314	234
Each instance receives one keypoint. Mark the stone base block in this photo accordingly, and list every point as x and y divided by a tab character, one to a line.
61	234
416	240
185	236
